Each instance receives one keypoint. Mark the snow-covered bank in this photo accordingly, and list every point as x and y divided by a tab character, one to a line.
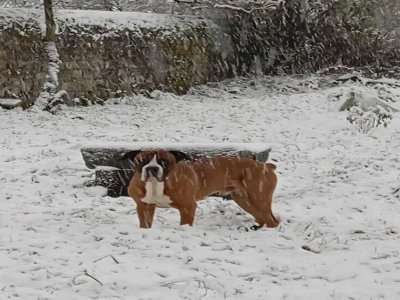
336	196
108	19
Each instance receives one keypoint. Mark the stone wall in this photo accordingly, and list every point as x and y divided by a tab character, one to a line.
22	62
112	53
127	63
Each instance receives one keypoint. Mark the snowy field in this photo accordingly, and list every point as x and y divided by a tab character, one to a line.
338	198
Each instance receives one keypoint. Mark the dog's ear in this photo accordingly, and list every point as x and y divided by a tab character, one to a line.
130	155
179	155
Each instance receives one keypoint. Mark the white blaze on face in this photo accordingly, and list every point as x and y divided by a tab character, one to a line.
153	163
154	187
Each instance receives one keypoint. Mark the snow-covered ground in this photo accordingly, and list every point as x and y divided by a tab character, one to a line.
338	198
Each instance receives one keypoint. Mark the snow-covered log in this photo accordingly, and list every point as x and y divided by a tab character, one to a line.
114	173
10	103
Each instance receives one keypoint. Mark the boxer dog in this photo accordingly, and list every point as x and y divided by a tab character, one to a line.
171	179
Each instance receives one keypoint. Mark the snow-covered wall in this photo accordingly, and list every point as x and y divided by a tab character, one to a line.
107	52
22	57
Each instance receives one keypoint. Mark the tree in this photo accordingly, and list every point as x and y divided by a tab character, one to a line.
49	97
50	24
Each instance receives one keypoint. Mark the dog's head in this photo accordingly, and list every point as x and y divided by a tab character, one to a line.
154	164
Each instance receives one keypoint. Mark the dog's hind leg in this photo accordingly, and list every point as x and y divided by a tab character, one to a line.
264	206
269	219
261	211
242	199
260	194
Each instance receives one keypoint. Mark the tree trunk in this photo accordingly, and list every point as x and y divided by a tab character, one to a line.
49	97
50	24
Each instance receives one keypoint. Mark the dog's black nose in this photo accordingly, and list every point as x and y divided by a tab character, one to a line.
152	171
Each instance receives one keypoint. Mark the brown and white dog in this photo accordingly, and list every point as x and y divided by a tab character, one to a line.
165	179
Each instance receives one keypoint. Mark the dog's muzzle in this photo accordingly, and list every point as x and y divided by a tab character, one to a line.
153	172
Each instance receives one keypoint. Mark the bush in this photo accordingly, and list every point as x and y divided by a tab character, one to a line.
301	36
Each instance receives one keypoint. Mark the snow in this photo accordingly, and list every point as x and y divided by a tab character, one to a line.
109	19
337	197
253	147
122	20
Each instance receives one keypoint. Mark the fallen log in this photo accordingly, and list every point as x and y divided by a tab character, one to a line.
115	174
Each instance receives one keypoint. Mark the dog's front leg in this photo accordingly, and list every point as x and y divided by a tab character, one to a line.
187	214
146	214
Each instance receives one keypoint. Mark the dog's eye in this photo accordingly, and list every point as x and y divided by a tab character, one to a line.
164	164
143	162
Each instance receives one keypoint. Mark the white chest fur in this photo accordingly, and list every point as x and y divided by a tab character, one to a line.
155	194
